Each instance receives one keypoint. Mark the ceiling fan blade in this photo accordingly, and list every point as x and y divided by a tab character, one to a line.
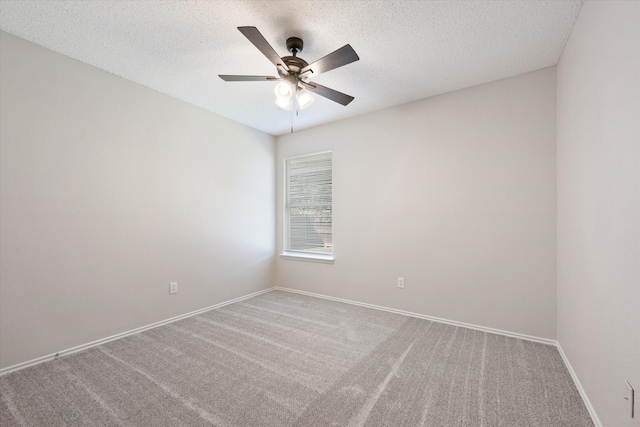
263	45
343	56
228	78
334	95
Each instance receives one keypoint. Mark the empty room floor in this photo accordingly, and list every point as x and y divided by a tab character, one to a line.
283	359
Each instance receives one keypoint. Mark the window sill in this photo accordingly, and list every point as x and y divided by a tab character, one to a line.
298	256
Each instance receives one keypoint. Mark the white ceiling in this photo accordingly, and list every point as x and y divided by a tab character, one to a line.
408	50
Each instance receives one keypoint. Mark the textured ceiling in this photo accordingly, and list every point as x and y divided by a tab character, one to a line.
408	49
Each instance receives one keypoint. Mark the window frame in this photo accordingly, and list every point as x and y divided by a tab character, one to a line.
302	255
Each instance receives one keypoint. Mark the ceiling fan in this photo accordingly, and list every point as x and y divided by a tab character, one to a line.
294	71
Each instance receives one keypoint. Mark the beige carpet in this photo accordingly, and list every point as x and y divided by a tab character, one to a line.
283	359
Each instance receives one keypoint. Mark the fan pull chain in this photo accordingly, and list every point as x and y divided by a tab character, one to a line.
295	102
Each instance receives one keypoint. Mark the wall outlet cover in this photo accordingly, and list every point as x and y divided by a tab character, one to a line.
173	287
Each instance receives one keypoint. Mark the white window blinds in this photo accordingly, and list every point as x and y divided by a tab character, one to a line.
308	204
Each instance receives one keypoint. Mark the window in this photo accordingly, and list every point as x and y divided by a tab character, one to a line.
308	229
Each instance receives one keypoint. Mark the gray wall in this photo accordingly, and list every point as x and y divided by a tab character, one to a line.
109	191
455	193
599	204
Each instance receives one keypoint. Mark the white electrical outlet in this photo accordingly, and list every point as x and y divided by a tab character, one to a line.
173	287
401	282
628	399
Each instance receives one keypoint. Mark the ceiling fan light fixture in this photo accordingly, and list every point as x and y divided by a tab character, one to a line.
284	91
284	103
304	98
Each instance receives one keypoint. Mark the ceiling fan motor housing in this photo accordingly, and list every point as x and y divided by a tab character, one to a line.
294	63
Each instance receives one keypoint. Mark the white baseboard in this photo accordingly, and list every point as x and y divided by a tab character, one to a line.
46	358
583	393
423	316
